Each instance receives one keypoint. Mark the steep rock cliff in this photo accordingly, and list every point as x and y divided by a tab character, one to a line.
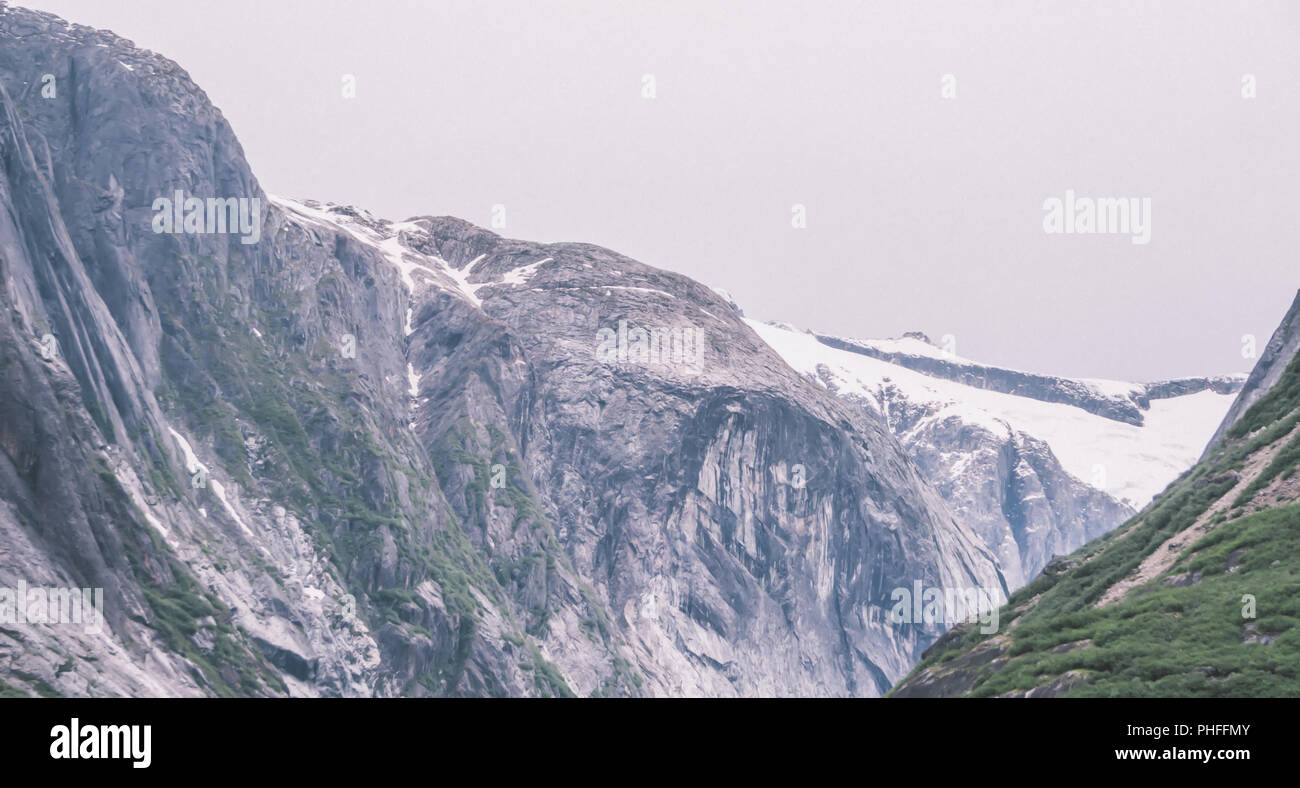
357	457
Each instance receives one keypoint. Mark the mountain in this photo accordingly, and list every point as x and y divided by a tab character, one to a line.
1281	348
1195	596
330	454
1037	465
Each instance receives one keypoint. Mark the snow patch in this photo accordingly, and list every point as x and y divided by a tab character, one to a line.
461	278
406	261
413	380
1136	462
521	275
192	466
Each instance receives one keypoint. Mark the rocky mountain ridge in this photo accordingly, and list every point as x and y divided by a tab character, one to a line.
360	457
1114	400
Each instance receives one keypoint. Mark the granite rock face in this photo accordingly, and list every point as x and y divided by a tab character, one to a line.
1010	488
358	457
1035	465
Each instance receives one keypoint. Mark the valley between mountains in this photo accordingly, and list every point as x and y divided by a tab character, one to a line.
363	457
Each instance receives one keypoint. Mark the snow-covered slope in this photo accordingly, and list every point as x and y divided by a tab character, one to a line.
1038	471
1131	463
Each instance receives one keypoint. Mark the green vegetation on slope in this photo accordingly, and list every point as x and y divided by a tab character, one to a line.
1219	622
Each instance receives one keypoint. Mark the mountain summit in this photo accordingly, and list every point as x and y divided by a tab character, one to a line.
363	457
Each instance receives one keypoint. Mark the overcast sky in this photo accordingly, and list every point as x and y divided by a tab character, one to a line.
923	212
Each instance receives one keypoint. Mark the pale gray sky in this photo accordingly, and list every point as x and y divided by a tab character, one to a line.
922	213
